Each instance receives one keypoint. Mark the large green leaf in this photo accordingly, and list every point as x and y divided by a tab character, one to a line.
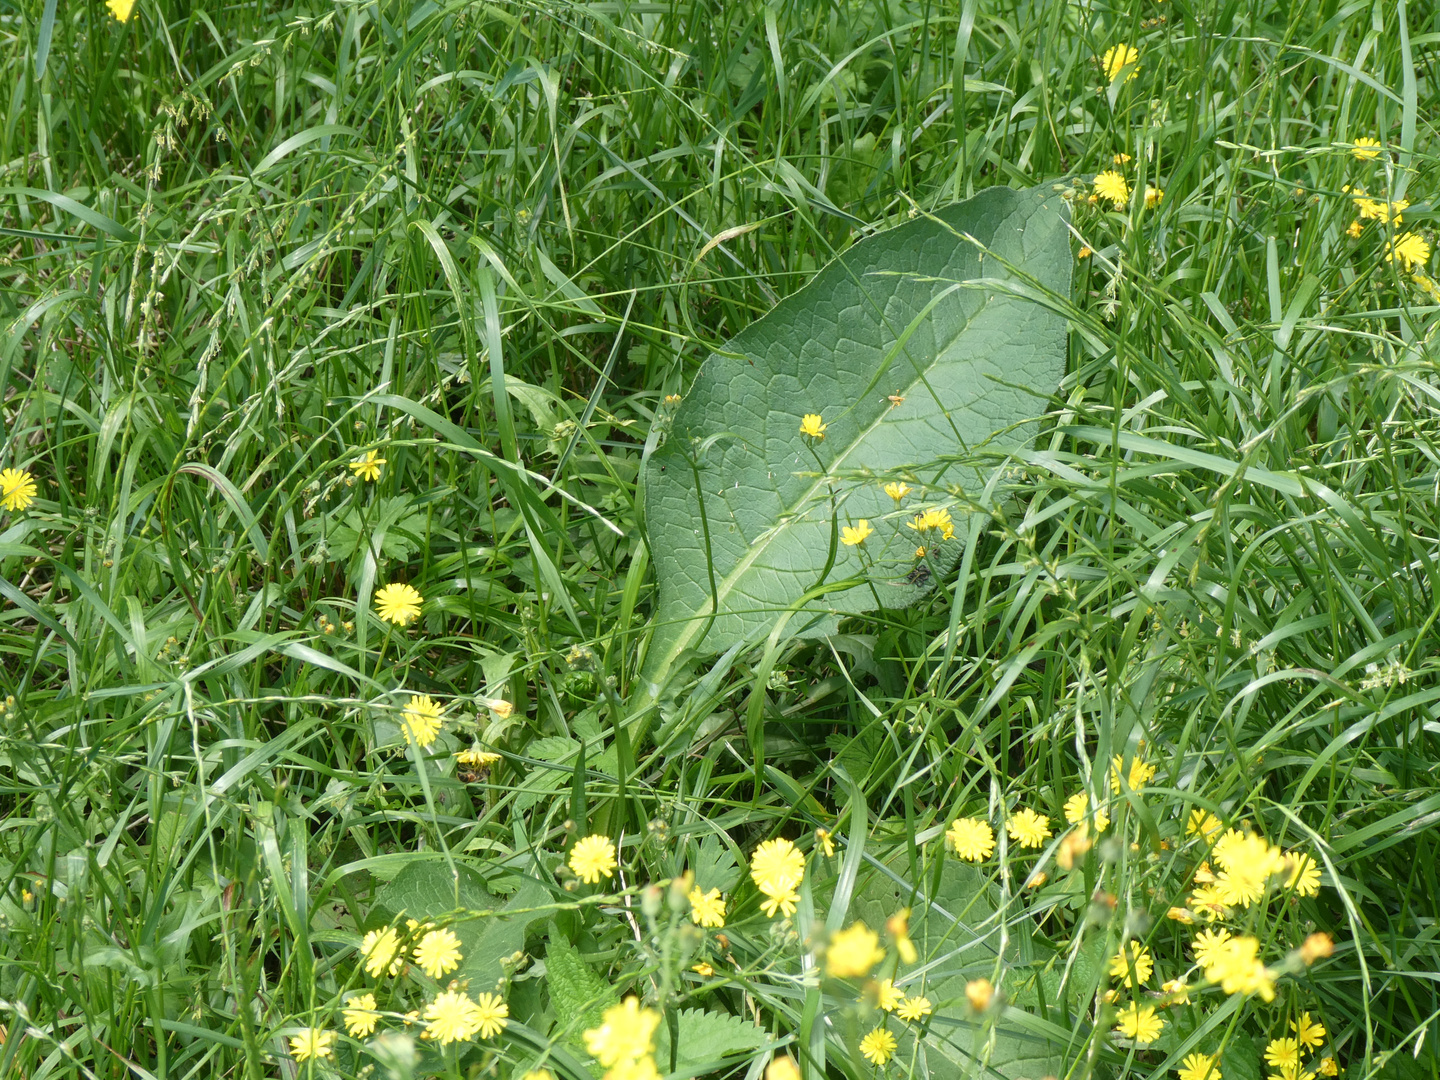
938	312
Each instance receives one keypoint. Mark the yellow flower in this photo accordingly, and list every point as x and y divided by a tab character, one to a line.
1199	1067
1355	229
1203	823
970	838
312	1042
826	842
1177	992
914	1008
1140	773
490	1014
1316	947
1073	846
450	1017
438	953
897	491
1111	185
1308	1033
1076	806
1209	903
1181	915
1122	159
853	952
851	537
1236	966
1132	969
1283	1054
777	866
1328	1067
878	1046
898	927
702	969
360	1015
1027	828
1140	1023
1380	210
625	1033
1153	195
398	604
1366	148
779	900
422	719
1410	248
381	949
369	466
1304	874
17	489
477	757
593	858
121	8
812	427
933	519
979	992
1117	58
706	908
886	996
1208	945
782	1068
1248	861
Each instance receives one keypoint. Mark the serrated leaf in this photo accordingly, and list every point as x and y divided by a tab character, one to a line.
578	996
705	1038
917	313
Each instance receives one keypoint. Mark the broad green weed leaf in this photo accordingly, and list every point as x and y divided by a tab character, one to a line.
745	511
578	995
705	1038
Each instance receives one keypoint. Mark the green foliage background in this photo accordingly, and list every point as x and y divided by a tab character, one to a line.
246	243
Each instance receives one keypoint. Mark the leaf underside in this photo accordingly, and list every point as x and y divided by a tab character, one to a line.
972	369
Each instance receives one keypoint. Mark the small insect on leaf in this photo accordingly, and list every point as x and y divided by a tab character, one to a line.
896	399
919	575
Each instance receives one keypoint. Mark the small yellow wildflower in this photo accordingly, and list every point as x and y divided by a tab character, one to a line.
782	1068
1119	57
1140	1023
1111	185
360	1015
1316	947
886	996
1177	992
1076	806
438	953
1199	1067
979	992
17	489
593	858
1181	915
1328	1067
780	900
811	427
1203	823
1355	229
971	839
914	1008
626	1033
1153	195
853	952
1282	1054
1308	1033
312	1042
1133	969
1366	148
879	1046
490	1014
898	927
121	9
450	1017
707	908
702	969
1207	945
1304	874
1140	773
398	603
369	466
422	719
897	491
851	537
1027	828
1122	159
476	757
777	865
381	950
826	842
1410	248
